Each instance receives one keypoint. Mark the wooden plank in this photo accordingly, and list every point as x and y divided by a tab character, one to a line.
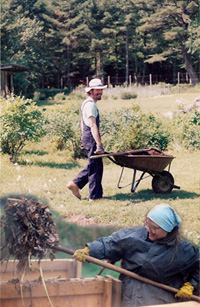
47	264
107	293
65	301
89	292
116	291
60	268
78	269
56	287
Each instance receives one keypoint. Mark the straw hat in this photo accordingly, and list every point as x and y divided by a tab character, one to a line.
95	84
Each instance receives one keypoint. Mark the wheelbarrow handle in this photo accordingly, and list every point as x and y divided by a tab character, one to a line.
122	271
124	153
109	155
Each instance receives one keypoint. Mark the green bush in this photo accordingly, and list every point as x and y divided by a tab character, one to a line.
186	130
77	96
21	121
49	93
128	95
132	129
64	128
59	97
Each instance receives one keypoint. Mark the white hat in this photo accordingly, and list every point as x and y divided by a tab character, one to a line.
95	84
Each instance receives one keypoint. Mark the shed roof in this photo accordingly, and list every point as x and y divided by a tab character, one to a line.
13	67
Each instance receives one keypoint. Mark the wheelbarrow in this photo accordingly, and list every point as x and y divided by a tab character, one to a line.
148	160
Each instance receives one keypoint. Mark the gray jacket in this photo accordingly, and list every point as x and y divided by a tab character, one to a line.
169	264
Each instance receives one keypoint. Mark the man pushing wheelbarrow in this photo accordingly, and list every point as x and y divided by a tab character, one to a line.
149	160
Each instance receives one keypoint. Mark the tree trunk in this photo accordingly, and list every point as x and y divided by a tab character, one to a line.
127	57
68	67
117	68
43	80
98	63
190	70
59	79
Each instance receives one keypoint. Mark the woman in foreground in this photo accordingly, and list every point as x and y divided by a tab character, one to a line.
154	251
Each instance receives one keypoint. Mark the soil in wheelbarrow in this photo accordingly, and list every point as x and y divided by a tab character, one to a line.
145	151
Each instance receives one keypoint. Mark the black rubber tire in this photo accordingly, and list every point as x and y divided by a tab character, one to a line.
162	183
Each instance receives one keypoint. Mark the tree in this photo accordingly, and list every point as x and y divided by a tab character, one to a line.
113	32
74	38
29	39
93	16
62	42
167	22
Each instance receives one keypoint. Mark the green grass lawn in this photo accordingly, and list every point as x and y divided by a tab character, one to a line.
43	172
156	104
45	175
111	100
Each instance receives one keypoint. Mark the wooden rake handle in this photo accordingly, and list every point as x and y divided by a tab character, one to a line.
123	271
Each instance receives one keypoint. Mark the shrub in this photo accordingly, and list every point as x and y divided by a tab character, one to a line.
77	96
49	93
64	128
145	131
128	95
21	121
186	129
59	97
131	129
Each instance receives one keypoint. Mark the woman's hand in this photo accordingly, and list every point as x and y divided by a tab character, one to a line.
185	291
80	254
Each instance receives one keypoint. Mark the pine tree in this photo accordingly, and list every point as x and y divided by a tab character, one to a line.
166	22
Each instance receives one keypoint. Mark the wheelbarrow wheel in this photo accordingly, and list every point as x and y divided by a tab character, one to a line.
163	183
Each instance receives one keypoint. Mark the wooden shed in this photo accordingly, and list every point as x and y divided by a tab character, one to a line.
7	72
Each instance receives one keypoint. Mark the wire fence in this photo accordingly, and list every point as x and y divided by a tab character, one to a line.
150	79
175	79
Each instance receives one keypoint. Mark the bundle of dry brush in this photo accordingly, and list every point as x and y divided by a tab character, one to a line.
27	230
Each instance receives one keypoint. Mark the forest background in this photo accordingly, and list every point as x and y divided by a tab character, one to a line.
64	42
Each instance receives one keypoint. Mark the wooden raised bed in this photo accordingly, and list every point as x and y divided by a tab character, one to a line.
88	292
63	283
64	286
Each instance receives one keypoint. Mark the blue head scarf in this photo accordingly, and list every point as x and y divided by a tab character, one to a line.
164	216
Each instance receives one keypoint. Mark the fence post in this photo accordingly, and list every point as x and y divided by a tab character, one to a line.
87	82
179	82
150	80
108	81
169	89
130	82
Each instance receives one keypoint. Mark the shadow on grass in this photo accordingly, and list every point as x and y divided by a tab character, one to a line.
50	164
35	152
44	103
57	165
148	194
41	103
